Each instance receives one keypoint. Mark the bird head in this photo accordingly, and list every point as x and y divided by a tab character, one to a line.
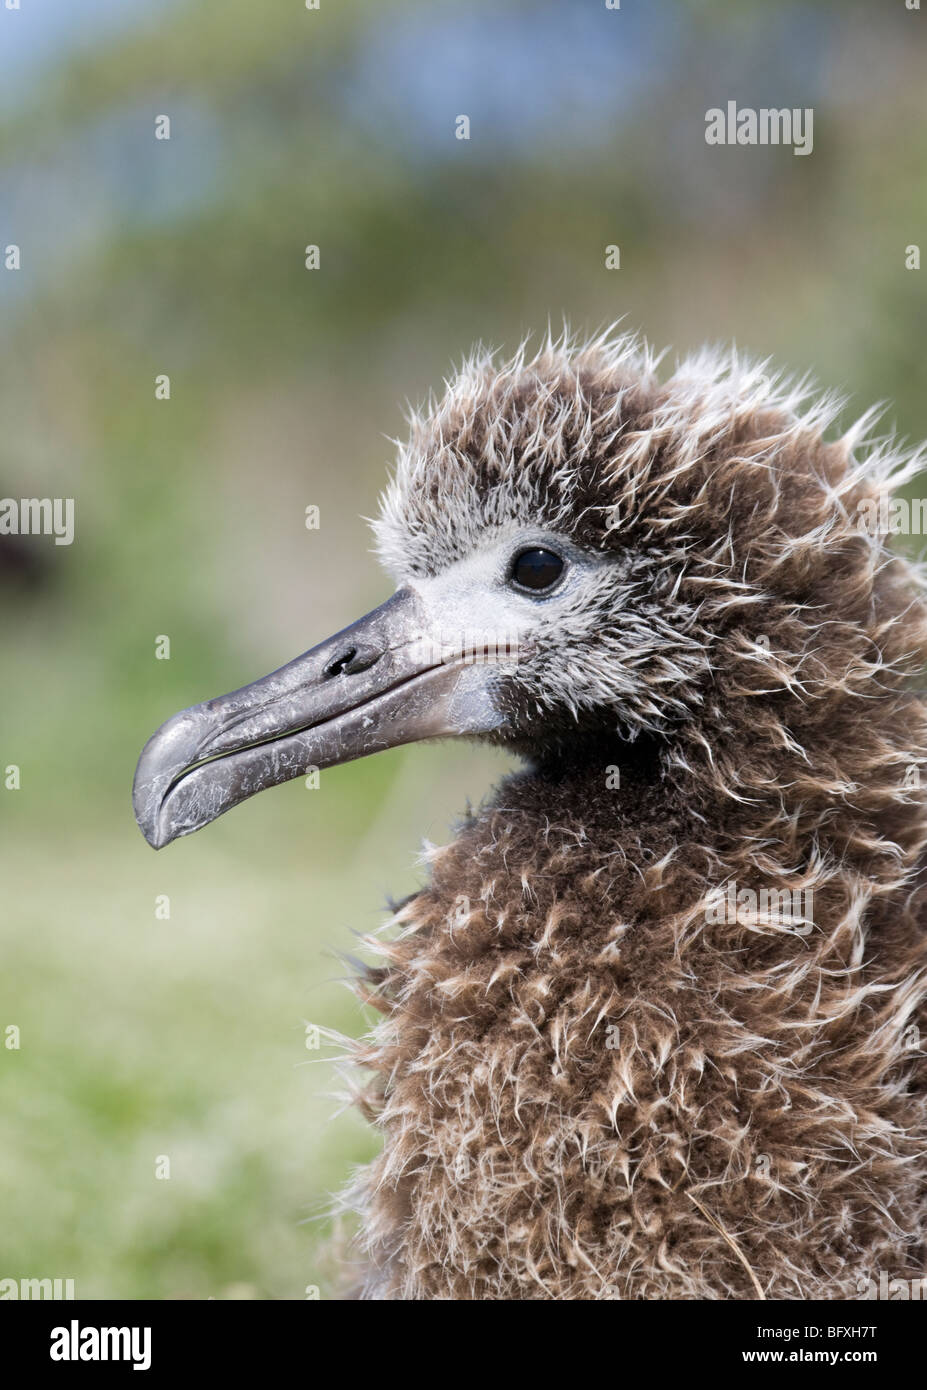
588	560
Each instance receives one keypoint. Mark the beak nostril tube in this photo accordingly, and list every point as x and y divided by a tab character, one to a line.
352	661
341	663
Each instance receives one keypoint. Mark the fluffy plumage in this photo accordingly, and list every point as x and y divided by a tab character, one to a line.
588	1086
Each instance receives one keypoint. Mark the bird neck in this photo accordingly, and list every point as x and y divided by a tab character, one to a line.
845	787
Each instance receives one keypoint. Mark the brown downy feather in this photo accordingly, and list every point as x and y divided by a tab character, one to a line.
589	1086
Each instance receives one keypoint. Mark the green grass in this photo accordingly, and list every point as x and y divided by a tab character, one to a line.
186	1038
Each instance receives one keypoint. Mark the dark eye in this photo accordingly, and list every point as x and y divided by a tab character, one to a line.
537	569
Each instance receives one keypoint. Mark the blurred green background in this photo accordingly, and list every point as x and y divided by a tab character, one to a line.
143	1037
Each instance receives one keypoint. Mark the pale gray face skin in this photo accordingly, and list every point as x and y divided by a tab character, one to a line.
479	594
427	663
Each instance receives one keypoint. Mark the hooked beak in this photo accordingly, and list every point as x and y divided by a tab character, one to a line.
377	684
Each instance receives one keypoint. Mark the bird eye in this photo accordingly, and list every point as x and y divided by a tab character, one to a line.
537	569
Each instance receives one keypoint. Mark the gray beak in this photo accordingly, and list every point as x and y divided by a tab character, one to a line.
377	684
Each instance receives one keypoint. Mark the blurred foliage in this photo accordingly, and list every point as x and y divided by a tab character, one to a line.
332	127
